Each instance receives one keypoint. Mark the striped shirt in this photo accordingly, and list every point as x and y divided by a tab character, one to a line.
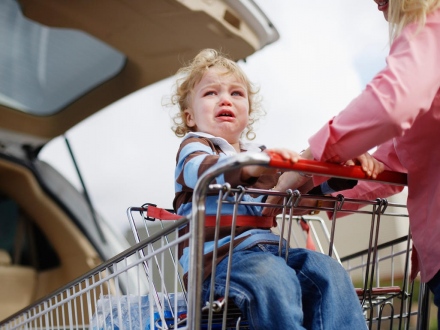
197	153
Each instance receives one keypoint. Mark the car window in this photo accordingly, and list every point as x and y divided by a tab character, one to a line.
23	240
44	69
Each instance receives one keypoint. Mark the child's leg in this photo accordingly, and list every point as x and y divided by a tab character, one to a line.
263	287
328	296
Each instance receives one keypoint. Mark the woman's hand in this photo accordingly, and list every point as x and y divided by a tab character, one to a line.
370	165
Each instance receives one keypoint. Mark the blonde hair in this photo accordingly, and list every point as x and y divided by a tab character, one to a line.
404	12
190	75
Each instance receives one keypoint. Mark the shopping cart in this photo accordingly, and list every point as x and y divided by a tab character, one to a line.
144	287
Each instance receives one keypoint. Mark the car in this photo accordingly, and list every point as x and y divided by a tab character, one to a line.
61	62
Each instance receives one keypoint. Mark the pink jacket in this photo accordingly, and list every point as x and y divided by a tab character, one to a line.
399	111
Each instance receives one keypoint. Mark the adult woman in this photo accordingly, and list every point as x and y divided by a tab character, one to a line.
399	111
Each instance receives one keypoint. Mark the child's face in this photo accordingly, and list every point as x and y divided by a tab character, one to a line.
219	106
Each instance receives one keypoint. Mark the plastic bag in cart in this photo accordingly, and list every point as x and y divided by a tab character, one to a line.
125	312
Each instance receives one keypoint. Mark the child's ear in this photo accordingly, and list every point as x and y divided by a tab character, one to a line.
189	118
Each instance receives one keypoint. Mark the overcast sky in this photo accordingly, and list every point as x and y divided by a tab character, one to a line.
327	52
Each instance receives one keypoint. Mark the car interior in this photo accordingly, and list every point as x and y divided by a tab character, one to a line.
40	248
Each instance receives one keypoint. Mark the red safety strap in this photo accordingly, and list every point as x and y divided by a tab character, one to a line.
226	220
161	214
210	220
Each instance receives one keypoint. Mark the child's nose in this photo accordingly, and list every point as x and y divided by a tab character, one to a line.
225	99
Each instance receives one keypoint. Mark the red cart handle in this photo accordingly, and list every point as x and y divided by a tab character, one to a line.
336	170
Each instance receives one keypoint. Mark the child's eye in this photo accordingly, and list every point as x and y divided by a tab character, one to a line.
237	93
209	93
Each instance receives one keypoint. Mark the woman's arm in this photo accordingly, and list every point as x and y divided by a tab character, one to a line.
391	102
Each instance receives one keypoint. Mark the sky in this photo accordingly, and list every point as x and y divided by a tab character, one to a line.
327	52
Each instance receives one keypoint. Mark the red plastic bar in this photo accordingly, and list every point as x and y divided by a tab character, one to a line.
336	170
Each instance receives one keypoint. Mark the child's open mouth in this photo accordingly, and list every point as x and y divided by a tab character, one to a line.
226	114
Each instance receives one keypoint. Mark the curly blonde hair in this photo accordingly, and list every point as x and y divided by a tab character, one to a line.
190	75
404	12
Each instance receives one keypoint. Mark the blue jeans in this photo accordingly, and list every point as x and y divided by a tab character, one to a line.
310	291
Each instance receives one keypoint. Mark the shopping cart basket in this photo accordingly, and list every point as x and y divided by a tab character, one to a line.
144	287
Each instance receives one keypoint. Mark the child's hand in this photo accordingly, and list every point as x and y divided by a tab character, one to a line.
291	180
287	180
286	154
257	171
